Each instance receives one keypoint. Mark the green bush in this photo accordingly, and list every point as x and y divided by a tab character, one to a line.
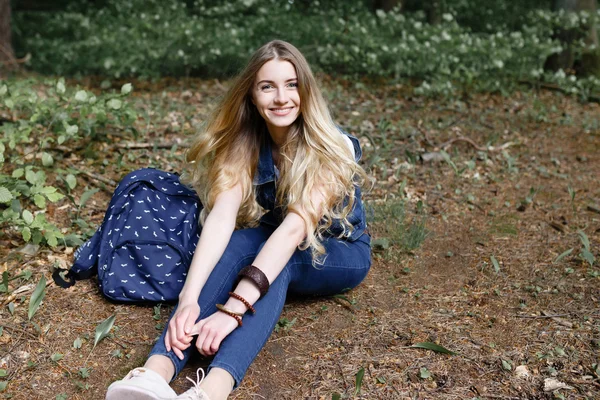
39	121
213	39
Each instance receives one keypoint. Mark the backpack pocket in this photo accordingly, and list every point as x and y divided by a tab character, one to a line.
144	271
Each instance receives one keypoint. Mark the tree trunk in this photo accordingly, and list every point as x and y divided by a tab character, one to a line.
386	5
7	55
589	63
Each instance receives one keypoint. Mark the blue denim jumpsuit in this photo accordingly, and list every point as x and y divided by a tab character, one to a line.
346	264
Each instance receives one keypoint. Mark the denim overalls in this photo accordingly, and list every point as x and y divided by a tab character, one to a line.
345	265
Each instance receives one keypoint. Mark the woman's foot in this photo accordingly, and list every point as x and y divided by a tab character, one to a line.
195	392
141	384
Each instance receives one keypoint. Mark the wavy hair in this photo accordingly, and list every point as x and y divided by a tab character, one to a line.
314	155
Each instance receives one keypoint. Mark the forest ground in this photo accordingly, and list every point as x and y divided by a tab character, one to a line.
466	253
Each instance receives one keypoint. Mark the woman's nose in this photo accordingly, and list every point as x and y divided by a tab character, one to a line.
281	96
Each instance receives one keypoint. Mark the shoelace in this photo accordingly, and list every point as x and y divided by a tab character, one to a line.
199	392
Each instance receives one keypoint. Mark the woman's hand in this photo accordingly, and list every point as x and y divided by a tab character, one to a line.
211	331
179	333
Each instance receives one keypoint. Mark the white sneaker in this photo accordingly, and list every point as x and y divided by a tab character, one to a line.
140	384
194	393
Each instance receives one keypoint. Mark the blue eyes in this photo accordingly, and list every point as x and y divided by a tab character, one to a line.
269	86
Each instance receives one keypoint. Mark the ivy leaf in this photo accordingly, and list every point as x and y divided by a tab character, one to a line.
31	177
56	357
36	297
72	129
433	347
39	201
27	217
47	160
60	86
3	373
54	197
71	181
115	104
26	233
3	386
126	88
17	173
5	195
51	238
81	96
103	329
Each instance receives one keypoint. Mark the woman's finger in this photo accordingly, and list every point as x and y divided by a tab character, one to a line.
173	340
201	338
216	343
168	339
208	342
178	353
180	323
196	328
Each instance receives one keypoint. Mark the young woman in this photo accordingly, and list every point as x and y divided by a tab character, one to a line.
282	213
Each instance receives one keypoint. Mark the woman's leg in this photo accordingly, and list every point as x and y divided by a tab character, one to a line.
241	251
345	266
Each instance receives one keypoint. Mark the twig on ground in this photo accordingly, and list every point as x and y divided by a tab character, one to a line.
593	208
14	328
542	316
582	382
131	146
337	362
99	178
447	144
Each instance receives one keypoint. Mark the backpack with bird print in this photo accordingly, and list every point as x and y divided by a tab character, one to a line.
143	249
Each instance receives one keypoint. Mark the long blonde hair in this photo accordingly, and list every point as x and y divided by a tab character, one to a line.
314	155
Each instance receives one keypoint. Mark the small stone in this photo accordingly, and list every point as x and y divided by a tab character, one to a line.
522	372
551	385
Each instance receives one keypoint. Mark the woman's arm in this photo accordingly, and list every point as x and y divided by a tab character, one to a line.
272	258
220	224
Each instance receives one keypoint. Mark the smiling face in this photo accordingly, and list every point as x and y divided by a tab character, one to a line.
275	95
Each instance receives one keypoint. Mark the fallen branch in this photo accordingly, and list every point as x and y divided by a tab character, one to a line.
542	316
448	143
492	149
149	145
99	178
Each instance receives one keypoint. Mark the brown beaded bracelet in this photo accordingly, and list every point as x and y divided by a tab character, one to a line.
243	300
257	276
231	314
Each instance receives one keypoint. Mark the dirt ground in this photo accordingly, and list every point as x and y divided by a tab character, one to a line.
520	176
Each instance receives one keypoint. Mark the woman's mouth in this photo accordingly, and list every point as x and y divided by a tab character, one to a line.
281	111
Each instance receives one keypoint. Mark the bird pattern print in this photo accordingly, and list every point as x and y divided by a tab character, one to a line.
144	247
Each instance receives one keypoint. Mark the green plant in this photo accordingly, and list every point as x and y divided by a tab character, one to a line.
284	324
43	117
586	252
207	38
390	217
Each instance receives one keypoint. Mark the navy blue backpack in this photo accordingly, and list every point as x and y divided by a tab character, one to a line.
143	249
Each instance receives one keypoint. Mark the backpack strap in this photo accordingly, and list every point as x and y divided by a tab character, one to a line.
85	266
